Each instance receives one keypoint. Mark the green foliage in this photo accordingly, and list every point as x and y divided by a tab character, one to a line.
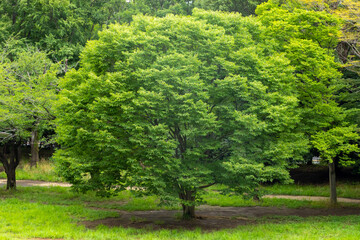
27	90
161	8
245	7
308	39
62	27
284	23
50	25
177	103
59	27
349	98
337	142
348	11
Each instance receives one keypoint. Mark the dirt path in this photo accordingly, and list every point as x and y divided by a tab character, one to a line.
30	183
313	198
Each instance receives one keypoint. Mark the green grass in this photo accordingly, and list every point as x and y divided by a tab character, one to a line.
214	198
25	220
127	201
348	190
54	212
65	196
44	171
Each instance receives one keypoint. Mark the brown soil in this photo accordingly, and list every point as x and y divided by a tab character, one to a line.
210	217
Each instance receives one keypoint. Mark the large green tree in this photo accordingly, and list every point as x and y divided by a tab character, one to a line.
173	105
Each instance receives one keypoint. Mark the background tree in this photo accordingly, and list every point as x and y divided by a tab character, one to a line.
309	39
52	26
176	104
60	27
349	11
338	142
347	50
11	134
27	89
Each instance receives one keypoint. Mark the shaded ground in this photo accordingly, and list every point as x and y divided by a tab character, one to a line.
210	217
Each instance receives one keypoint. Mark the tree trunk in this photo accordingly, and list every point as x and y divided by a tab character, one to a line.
10	158
188	211
343	50
11	178
332	181
188	204
34	143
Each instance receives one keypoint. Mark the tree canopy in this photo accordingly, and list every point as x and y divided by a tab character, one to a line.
176	104
171	99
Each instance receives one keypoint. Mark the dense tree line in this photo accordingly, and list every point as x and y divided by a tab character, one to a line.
172	96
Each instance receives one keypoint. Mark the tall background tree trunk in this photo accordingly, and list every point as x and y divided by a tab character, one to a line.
34	143
332	181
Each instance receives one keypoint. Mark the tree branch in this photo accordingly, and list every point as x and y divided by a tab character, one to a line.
209	185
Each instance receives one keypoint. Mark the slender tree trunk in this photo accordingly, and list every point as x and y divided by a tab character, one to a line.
332	181
34	143
189	204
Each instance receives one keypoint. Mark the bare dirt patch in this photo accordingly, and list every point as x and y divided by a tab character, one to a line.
210	218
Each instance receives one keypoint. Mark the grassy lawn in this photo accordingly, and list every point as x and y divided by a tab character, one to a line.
22	220
24	216
53	212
